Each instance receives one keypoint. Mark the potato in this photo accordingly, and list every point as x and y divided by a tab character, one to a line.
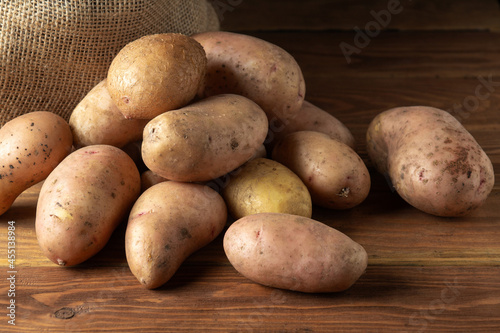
433	162
156	73
149	178
335	175
31	146
254	68
169	222
204	140
262	186
97	120
294	252
82	202
311	118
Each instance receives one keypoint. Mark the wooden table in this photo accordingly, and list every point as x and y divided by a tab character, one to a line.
425	273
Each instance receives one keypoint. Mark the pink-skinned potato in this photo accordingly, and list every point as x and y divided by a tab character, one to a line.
334	173
252	67
294	252
82	202
433	162
170	221
31	146
311	118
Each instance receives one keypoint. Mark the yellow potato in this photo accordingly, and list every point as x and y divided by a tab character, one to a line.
263	186
335	175
169	222
83	201
294	252
433	162
156	73
204	140
254	68
97	120
31	146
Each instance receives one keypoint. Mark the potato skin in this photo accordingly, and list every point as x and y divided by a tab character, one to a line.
433	162
83	201
335	175
31	146
156	73
97	120
254	68
311	118
204	140
294	252
263	185
169	222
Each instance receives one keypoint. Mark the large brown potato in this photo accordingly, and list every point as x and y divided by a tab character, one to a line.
155	74
31	146
433	162
294	252
254	68
204	140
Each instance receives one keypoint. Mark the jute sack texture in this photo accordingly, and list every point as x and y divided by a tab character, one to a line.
53	52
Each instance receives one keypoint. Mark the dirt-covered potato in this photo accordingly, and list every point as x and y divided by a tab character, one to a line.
294	252
263	186
333	172
31	146
311	118
433	162
169	222
252	67
83	201
156	73
204	140
97	120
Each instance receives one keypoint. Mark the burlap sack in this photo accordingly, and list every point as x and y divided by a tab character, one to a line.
53	52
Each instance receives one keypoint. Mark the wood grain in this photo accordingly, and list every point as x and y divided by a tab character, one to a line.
215	298
313	15
425	273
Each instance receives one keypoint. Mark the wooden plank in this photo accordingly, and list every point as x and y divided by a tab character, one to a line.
208	298
350	14
394	55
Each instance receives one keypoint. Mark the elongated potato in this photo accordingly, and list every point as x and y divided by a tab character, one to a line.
97	120
254	68
333	172
204	140
311	118
433	162
169	222
82	202
31	146
294	252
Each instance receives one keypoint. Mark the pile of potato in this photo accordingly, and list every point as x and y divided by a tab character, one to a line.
224	131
